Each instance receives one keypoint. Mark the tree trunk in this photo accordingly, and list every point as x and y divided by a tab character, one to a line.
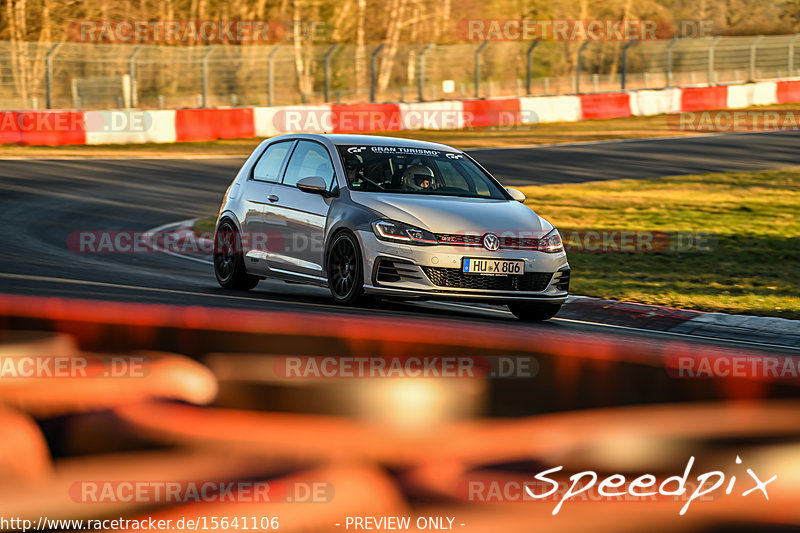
43	45
302	64
396	25
361	46
616	63
16	14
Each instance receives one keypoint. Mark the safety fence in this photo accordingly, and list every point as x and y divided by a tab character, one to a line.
75	75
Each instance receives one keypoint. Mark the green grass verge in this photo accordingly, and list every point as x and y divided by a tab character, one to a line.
205	224
753	267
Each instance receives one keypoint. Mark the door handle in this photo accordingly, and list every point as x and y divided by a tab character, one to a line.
272	198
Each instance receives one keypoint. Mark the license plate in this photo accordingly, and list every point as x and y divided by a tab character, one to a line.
494	267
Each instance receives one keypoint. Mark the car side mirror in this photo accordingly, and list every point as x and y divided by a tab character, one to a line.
516	194
314	185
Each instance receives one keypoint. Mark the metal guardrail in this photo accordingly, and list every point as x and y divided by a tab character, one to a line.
101	76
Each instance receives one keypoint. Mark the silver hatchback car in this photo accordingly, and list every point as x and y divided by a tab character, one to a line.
396	218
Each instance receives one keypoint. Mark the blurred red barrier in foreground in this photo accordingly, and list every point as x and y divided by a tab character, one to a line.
404	447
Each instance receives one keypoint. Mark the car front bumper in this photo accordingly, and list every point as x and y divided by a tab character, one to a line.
434	272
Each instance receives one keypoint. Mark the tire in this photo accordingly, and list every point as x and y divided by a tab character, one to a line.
228	259
534	311
345	269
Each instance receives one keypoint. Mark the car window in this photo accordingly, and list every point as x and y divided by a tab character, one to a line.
464	178
407	170
269	165
308	159
451	175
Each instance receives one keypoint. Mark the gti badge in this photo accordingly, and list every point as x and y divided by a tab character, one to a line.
491	242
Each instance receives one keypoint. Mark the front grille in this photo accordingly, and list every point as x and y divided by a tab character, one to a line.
459	238
456	279
518	242
477	240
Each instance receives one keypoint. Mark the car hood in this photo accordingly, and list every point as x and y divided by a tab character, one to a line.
450	214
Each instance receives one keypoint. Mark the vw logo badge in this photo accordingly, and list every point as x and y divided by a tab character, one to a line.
491	242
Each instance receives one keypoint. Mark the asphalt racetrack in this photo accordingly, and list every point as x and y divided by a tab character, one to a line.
641	158
45	200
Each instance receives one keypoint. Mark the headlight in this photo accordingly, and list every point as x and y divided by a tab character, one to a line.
391	230
551	243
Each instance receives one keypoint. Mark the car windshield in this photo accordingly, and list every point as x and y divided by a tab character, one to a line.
396	169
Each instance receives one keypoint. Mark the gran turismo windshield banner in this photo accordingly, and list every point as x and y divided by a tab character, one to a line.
411	170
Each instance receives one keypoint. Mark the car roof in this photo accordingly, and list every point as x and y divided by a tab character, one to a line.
345	139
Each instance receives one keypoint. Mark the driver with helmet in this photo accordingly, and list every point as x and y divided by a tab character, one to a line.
418	178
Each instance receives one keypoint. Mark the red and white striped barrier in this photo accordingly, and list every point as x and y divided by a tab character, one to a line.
752	94
788	91
213	124
49	128
130	127
166	126
605	105
655	102
704	98
547	109
444	115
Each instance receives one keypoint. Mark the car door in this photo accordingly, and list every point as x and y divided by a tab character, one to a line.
300	217
257	237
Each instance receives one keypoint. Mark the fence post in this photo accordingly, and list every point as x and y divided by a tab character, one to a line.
529	67
752	72
791	54
204	64
372	79
271	76
578	66
327	70
668	73
625	62
421	75
132	74
710	74
478	68
49	74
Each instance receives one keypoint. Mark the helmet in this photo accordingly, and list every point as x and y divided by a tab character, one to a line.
417	178
353	163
